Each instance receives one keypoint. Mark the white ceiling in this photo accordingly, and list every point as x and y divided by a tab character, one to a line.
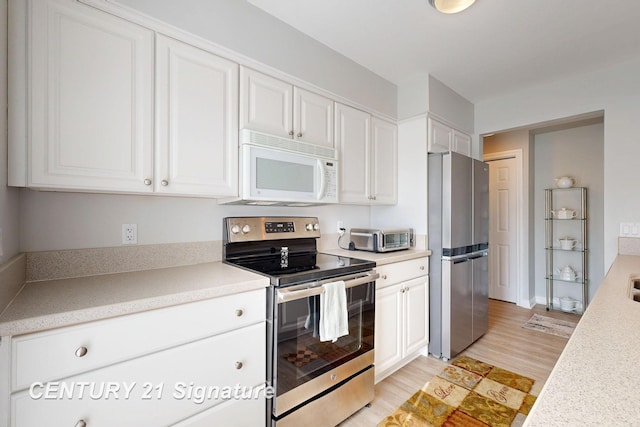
494	47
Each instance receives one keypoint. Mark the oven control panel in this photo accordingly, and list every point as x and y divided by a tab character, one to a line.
247	229
279	227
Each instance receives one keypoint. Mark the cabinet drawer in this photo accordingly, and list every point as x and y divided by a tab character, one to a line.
165	378
240	413
50	355
391	274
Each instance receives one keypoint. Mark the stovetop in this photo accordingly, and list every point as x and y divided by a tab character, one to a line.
284	249
319	266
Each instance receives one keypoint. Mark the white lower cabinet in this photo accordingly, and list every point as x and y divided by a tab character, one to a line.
215	380
402	314
233	413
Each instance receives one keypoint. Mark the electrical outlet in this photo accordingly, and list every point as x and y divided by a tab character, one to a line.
340	226
129	234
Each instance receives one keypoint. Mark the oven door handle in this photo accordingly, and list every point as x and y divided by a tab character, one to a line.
285	295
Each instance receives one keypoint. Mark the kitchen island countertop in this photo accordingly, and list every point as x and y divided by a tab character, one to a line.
64	302
595	380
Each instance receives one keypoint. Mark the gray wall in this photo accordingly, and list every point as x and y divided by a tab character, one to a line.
576	152
248	30
9	197
450	106
614	90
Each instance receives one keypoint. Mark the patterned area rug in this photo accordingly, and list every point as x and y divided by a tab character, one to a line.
549	325
467	393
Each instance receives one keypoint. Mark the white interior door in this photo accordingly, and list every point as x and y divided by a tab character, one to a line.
503	233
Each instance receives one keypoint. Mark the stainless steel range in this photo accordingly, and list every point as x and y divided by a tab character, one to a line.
317	383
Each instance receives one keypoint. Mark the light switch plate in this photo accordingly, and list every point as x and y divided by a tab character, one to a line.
630	229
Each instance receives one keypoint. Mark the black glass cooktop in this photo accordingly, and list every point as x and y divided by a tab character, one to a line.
302	267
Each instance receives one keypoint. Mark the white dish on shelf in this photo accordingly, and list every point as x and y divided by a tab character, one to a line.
567	304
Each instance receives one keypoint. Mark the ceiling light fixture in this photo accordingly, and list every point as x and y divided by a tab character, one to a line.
451	6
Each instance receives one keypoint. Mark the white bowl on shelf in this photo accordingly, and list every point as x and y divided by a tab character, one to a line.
567	304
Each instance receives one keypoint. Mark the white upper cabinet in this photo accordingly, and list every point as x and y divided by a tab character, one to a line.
82	106
265	104
90	99
274	107
368	148
443	138
196	127
461	143
353	133
439	136
384	137
312	118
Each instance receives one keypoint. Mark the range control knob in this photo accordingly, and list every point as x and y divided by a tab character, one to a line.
246	229
309	227
235	229
316	227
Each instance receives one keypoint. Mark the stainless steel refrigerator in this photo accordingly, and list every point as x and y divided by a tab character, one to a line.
458	233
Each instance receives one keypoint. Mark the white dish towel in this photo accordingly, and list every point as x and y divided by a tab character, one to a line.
334	318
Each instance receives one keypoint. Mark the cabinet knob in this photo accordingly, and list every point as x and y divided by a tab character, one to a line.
291	132
383	277
239	313
422	267
81	351
164	182
299	135
81	423
239	365
147	181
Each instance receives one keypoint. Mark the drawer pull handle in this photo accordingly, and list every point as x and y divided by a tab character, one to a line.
81	352
239	365
383	277
239	313
422	267
81	423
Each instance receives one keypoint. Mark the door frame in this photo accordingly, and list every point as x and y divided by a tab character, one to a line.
522	290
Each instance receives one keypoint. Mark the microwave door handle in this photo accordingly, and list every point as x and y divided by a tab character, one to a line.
323	176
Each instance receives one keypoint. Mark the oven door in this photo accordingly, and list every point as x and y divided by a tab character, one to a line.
302	366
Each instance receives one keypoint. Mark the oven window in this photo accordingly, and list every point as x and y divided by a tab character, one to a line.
301	356
284	176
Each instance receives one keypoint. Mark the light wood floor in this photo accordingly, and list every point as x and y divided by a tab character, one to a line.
506	344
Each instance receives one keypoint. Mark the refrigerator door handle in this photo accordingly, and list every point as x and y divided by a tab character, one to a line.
459	260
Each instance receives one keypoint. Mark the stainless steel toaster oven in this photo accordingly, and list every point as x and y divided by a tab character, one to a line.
377	240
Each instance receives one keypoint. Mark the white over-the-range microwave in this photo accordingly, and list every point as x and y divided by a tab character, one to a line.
281	171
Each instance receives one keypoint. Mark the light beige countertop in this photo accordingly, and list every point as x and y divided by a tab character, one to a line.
380	258
595	381
63	302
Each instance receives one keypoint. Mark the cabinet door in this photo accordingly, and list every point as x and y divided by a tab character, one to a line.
265	104
91	99
197	126
461	143
313	118
165	387
384	156
353	128
416	311
388	330
439	139
241	413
